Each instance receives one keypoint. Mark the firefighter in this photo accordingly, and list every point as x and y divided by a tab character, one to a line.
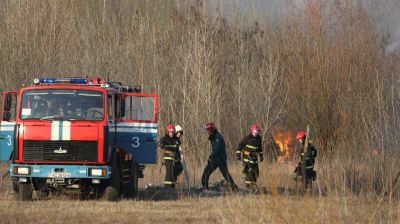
217	159
170	144
249	149
179	133
178	156
311	175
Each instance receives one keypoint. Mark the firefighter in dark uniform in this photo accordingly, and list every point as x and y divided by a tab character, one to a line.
217	159
311	175
170	144
249	149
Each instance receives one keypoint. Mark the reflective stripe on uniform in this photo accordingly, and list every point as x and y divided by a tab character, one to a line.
251	147
168	158
309	167
249	182
168	182
238	151
248	161
170	146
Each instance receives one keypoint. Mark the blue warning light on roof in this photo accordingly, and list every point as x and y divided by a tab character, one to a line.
61	80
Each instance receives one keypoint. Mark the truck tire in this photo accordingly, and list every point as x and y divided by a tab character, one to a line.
112	191
111	194
24	192
15	186
84	195
43	191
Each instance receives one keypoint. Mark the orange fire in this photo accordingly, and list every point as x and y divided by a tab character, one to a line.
285	142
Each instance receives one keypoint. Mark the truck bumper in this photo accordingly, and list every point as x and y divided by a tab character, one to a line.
61	171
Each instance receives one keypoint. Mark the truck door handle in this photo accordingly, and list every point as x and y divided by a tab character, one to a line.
2	137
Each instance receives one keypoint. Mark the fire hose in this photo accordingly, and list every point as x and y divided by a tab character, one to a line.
190	149
196	146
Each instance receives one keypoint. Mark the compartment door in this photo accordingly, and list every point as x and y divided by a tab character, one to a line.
137	128
8	125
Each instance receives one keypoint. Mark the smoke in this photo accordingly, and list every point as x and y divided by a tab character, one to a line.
386	13
248	10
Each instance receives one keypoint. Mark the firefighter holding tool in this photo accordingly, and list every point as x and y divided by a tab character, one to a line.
309	158
249	149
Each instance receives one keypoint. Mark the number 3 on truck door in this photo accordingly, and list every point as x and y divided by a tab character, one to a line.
8	125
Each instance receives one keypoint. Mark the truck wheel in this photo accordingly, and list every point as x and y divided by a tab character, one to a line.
111	194
24	192
15	186
84	195
42	189
112	191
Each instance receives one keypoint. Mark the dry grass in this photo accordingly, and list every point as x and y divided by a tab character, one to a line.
280	205
234	73
229	209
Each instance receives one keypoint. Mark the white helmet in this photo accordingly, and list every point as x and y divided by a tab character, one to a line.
178	128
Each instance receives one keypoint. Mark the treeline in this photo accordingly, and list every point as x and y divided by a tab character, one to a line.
321	63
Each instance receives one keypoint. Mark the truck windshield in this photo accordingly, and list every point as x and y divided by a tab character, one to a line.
62	105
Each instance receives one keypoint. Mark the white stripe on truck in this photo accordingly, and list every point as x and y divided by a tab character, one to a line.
66	130
55	130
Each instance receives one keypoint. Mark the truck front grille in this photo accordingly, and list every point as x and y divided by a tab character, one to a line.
75	151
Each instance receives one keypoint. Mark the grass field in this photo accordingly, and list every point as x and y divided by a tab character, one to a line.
280	205
228	209
332	64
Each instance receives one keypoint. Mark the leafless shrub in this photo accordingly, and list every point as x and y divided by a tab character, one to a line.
322	64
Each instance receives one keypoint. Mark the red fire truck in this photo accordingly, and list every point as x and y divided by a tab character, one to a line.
85	135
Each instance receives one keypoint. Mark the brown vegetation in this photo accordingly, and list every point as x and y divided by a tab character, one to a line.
322	63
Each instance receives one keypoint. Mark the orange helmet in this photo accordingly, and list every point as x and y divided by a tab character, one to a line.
170	128
301	135
254	129
210	126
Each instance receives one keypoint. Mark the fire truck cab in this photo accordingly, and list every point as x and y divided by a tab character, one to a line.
84	135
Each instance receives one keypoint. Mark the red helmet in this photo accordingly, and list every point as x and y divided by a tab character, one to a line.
170	128
301	135
255	129
210	126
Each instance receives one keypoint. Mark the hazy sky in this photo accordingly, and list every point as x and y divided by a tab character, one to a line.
385	12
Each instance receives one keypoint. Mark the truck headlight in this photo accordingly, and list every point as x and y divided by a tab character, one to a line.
97	172
22	170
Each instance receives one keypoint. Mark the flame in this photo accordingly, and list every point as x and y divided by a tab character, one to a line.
285	142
